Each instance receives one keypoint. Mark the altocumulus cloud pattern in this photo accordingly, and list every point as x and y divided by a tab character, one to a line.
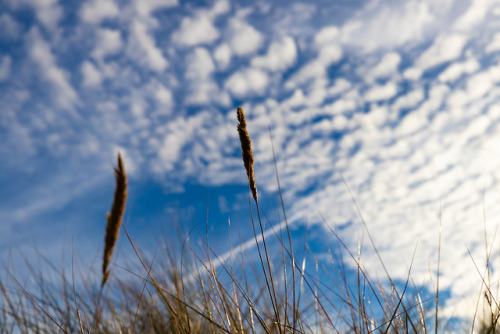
401	98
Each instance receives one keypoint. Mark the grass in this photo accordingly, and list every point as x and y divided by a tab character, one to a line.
184	288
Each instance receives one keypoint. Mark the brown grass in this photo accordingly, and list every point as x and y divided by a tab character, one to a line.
191	289
114	218
246	150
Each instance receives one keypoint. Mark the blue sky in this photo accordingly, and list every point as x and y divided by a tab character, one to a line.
400	97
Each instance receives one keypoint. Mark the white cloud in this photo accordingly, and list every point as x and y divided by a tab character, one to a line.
164	96
220	7
327	35
412	122
41	54
494	45
412	73
340	106
109	42
339	86
196	31
340	123
178	133
200	28
329	54
381	92
146	7
5	64
91	76
474	15
280	56
143	49
477	86
389	24
308	72
455	70
247	82
48	12
202	88
315	70
409	100
296	100
96	11
387	66
199	64
244	39
446	47
222	56
9	27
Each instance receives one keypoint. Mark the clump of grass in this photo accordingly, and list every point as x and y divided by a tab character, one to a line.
203	292
115	217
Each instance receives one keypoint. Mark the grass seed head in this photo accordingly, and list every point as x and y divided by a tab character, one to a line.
246	150
114	218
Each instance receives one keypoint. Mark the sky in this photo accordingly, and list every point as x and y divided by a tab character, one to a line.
397	98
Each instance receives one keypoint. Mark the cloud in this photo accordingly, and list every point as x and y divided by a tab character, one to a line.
387	66
48	12
91	76
473	15
446	47
200	29
316	69
296	100
108	43
202	88
327	35
222	55
390	24
244	39
9	27
281	55
494	44
49	197
409	100
220	7
142	48
40	52
96	11
457	69
196	31
164	96
340	106
247	82
412	73
5	65
177	135
199	64
314	72
381	92
477	86
146	7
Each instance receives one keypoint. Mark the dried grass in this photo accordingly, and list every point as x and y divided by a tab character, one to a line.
246	150
114	218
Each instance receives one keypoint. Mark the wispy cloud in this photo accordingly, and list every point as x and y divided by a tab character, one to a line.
95	12
41	53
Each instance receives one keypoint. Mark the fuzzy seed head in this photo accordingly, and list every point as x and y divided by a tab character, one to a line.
246	150
114	218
